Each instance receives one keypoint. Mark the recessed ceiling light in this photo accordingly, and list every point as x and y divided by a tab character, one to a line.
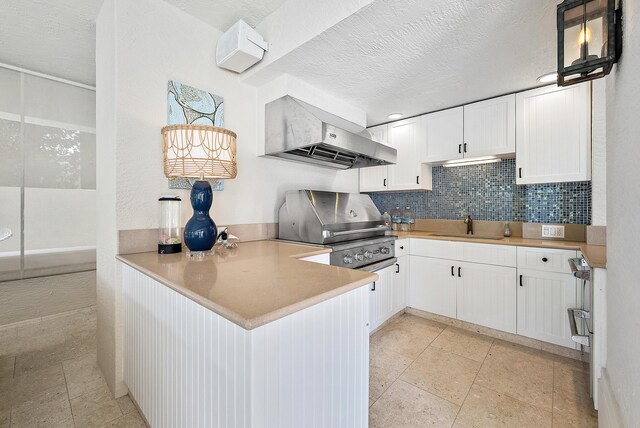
394	116
548	78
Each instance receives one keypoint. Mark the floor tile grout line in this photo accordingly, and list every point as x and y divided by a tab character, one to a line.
553	388
416	386
474	381
511	396
66	386
409	365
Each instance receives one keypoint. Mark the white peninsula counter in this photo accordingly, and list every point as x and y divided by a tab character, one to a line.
251	337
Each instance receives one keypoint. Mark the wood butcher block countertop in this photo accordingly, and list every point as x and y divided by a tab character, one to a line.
254	284
595	255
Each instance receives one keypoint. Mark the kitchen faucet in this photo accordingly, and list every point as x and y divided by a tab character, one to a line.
469	224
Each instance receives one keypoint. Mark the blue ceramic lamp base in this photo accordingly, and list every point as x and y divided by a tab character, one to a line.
200	232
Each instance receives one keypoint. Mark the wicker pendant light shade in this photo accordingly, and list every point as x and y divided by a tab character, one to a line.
199	152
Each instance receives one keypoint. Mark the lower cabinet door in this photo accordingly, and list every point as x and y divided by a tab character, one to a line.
543	300
487	295
432	285
400	284
381	298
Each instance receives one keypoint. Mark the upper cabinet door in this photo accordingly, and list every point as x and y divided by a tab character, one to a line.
553	129
490	127
444	131
374	179
407	137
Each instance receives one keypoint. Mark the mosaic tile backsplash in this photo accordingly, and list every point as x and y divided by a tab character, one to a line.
489	192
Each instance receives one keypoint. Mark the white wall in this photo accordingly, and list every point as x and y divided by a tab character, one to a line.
140	46
623	226
599	154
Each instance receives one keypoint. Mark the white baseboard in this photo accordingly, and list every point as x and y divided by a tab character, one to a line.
608	412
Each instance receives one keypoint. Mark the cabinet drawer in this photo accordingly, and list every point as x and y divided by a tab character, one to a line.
402	247
491	254
545	259
435	248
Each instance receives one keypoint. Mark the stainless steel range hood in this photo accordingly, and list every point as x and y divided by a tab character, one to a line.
297	131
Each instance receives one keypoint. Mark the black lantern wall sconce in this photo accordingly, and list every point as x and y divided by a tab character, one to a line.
589	39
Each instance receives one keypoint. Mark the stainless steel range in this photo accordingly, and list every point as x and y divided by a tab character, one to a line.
349	223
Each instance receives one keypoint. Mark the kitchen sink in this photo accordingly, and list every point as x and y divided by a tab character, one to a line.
460	235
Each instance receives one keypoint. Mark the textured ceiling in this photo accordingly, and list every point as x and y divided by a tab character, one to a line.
408	56
58	37
222	14
416	56
55	37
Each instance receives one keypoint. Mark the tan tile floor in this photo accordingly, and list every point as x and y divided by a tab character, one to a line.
426	374
422	374
49	377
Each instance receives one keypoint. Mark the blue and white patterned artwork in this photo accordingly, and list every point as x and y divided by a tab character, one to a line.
186	104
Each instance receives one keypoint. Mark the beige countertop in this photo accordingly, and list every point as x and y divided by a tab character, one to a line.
595	255
254	284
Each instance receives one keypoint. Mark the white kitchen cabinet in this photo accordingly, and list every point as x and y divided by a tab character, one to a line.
502	255
381	298
444	135
432	285
543	300
490	127
485	128
407	137
546	259
553	129
409	173
374	179
400	284
486	295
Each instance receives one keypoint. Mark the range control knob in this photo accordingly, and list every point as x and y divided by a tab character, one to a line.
368	254
385	250
359	257
347	259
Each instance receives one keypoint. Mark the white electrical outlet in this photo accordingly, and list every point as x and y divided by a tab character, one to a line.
552	231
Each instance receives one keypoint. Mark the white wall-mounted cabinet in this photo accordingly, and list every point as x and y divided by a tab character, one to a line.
485	128
445	135
409	173
490	127
553	128
374	179
381	298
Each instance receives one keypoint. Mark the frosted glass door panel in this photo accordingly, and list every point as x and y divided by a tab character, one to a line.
59	177
11	158
9	94
10	218
59	231
59	158
54	101
10	173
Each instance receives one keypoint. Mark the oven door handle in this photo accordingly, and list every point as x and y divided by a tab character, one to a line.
374	267
581	339
331	234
